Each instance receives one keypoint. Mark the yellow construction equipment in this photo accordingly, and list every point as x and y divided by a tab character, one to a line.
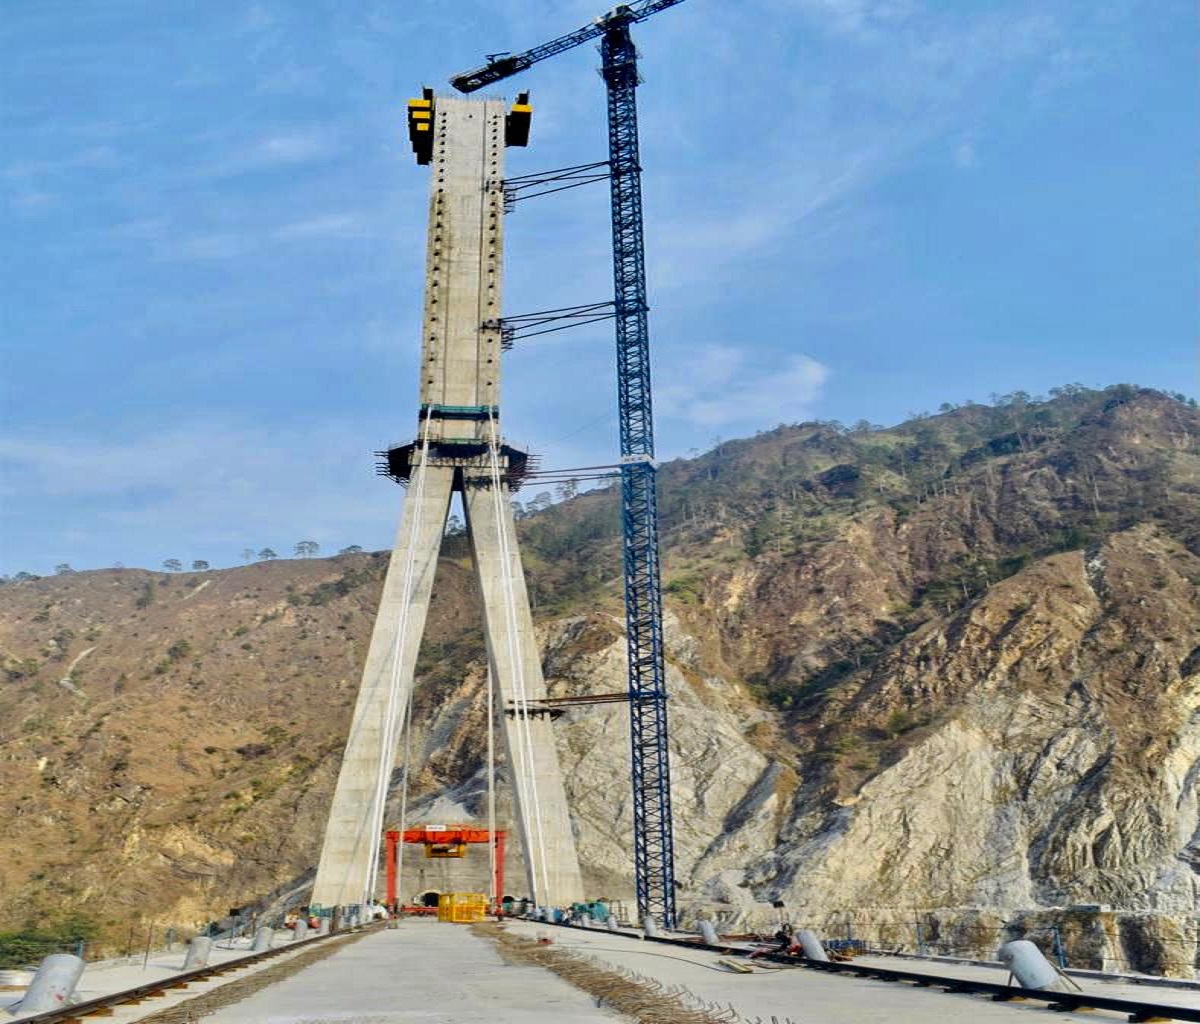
462	907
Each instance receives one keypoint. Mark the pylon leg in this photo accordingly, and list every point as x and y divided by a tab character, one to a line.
551	861
352	838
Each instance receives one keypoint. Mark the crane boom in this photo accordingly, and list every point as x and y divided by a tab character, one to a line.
653	833
505	65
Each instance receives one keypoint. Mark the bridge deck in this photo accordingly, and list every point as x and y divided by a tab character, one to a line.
807	995
420	971
426	971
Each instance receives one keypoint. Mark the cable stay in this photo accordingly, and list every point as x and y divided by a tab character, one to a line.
574	474
563	178
497	895
397	717
553	478
566	470
524	768
524	325
545	481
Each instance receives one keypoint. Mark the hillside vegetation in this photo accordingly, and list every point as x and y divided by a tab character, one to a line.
954	662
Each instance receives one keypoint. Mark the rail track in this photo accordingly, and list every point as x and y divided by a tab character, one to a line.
1136	1011
102	1006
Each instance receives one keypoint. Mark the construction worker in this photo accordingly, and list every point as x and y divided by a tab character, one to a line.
785	943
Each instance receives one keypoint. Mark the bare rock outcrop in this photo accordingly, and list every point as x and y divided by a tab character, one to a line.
936	684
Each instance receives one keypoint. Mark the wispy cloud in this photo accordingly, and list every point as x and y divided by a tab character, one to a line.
268	218
199	486
724	386
171	246
279	150
257	18
910	76
1066	67
91	158
31	201
965	155
286	78
293	147
326	226
35	186
803	203
859	18
215	246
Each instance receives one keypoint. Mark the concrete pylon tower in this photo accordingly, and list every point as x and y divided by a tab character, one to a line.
458	448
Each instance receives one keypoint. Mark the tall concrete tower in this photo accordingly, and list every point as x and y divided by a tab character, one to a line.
458	449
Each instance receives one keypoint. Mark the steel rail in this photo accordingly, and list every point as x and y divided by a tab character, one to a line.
1060	1002
75	1013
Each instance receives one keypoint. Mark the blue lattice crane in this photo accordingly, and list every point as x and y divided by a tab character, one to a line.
654	854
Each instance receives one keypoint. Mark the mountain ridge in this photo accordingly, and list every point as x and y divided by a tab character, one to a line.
1010	589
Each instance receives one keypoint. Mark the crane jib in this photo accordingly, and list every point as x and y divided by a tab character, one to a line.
504	67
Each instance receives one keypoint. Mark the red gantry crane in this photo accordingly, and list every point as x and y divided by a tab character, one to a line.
443	841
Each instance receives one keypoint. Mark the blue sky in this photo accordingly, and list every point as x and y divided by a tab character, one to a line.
213	238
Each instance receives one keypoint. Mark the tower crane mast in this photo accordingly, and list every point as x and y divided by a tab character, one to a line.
654	854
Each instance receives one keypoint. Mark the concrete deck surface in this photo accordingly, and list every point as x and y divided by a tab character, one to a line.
435	973
422	971
810	997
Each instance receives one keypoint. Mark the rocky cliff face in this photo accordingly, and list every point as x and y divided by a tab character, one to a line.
930	678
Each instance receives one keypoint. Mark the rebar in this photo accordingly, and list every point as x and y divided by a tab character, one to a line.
644	1000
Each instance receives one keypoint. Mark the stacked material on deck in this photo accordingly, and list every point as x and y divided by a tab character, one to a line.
462	907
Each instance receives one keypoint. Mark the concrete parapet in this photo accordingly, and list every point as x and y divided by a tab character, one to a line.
198	952
52	985
1031	969
811	945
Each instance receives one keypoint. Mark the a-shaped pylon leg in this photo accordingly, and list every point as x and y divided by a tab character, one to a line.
551	861
353	834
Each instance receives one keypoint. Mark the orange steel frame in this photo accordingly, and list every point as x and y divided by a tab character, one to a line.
443	836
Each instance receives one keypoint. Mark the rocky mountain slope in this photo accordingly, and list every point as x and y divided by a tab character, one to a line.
945	673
